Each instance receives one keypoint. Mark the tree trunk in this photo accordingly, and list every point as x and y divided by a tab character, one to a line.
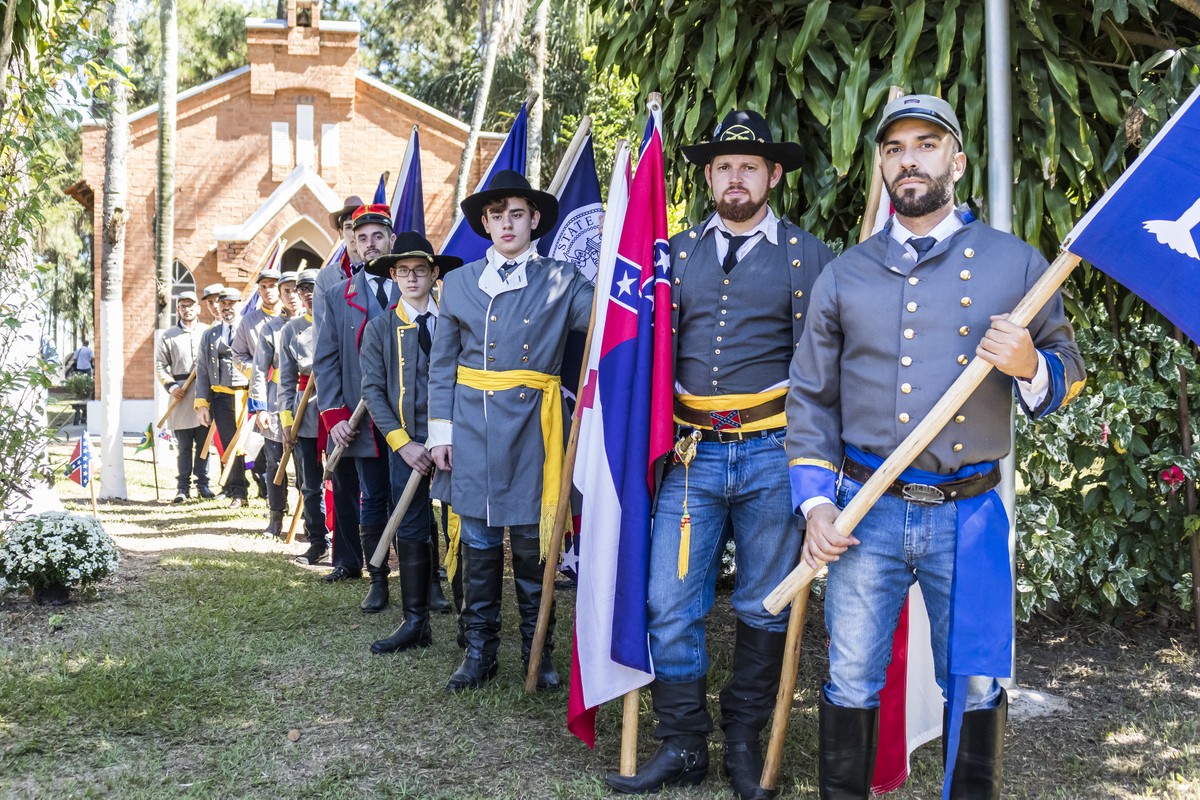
537	86
165	240
490	47
112	266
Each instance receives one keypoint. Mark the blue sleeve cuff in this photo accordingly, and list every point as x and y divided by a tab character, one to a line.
253	406
1056	392
809	479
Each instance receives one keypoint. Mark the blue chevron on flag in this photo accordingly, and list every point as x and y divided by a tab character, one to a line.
79	468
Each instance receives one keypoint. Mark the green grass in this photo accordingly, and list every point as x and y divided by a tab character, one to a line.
184	676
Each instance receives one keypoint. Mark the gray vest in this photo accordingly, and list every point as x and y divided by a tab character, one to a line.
735	331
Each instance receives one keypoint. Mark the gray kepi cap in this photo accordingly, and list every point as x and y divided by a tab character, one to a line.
211	289
920	106
186	296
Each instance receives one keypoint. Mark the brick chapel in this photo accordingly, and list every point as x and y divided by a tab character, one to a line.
265	153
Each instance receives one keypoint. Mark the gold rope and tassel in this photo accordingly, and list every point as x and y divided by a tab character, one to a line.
685	451
453	535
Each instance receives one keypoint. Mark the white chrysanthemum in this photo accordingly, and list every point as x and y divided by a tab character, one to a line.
55	547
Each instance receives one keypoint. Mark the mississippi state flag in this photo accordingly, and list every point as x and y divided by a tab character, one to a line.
79	468
625	425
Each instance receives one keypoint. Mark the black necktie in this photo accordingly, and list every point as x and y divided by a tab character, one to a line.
508	269
381	294
922	244
423	337
735	244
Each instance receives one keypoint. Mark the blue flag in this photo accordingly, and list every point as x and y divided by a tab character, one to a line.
462	240
380	192
576	235
408	199
1143	231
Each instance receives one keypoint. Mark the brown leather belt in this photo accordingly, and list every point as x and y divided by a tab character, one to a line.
729	419
928	494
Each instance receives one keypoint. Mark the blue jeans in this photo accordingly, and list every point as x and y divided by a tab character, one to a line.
477	534
418	520
312	487
745	483
188	443
900	542
374	486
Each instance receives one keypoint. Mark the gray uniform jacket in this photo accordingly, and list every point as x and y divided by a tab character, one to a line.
390	355
215	365
247	336
887	336
264	380
295	359
497	436
173	361
328	279
336	360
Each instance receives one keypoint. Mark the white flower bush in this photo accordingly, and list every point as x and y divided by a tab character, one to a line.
56	548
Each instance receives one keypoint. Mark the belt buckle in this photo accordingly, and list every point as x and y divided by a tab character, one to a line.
728	420
729	436
923	494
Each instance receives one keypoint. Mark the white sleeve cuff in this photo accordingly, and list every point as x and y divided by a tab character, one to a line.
439	433
811	503
1034	392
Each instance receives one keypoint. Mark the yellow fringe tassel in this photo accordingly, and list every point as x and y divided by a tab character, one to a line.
685	544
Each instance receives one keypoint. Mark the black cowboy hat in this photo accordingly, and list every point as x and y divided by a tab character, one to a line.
746	133
410	244
350	205
508	183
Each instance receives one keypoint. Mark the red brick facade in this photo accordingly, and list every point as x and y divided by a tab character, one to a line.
243	180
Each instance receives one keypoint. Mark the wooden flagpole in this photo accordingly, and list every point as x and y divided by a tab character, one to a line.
281	473
629	733
562	511
154	462
379	557
334	457
564	166
229	457
208	440
92	486
926	431
175	400
291	534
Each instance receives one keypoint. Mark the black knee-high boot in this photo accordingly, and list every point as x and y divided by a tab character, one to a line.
377	597
747	701
527	580
847	760
414	630
483	571
683	726
979	766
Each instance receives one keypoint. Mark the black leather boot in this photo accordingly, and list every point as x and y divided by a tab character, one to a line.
456	592
527	580
274	528
979	766
317	548
747	702
377	596
683	727
438	604
483	572
414	631
847	743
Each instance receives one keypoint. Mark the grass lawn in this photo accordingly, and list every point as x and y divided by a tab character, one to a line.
213	666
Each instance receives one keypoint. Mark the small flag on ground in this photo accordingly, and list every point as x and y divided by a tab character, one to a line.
79	468
408	199
147	438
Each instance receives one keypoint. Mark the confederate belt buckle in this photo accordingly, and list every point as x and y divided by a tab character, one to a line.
923	494
726	420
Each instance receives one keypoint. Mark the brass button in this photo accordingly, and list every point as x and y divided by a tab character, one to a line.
724	297
522	395
714	383
799	293
673	331
795	262
675	306
683	253
903	418
799	315
792	240
964	330
691	234
490	394
909	333
491	358
721	323
677	281
715	369
717	351
725	282
912	307
912	281
957	447
524	347
724	312
969	253
965	274
524	358
906	361
527	320
718	338
962	360
906	388
960	419
493	317
965	302
491	344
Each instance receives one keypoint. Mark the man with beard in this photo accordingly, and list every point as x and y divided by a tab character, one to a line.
221	389
174	358
740	292
351	305
892	324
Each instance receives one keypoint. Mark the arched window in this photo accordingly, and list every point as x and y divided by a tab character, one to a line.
181	281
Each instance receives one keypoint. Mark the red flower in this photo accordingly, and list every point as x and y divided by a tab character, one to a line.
1173	477
1103	433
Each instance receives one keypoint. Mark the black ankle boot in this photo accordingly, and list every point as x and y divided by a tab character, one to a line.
847	743
414	631
274	528
979	766
438	604
683	726
377	596
483	571
527	580
747	702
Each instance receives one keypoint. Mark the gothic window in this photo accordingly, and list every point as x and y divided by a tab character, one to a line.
181	281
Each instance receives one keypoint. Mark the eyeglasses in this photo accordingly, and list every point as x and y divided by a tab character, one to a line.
404	272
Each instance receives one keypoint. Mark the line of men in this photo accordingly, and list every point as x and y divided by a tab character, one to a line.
793	397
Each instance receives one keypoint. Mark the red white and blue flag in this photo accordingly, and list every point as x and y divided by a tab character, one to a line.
625	426
408	198
79	468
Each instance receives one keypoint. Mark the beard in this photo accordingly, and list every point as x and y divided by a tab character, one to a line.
910	204
740	211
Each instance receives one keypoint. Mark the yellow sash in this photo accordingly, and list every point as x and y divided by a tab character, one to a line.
552	428
723	402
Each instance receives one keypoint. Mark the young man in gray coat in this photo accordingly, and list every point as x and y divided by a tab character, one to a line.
174	359
493	378
221	389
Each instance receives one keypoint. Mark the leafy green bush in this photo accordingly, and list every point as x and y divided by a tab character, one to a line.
81	386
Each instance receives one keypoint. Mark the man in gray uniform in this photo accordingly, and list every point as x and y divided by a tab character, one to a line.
893	323
245	344
264	396
740	291
493	378
354	303
221	389
295	372
174	359
212	301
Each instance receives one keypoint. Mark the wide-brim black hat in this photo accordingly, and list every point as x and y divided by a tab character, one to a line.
410	244
746	133
508	183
